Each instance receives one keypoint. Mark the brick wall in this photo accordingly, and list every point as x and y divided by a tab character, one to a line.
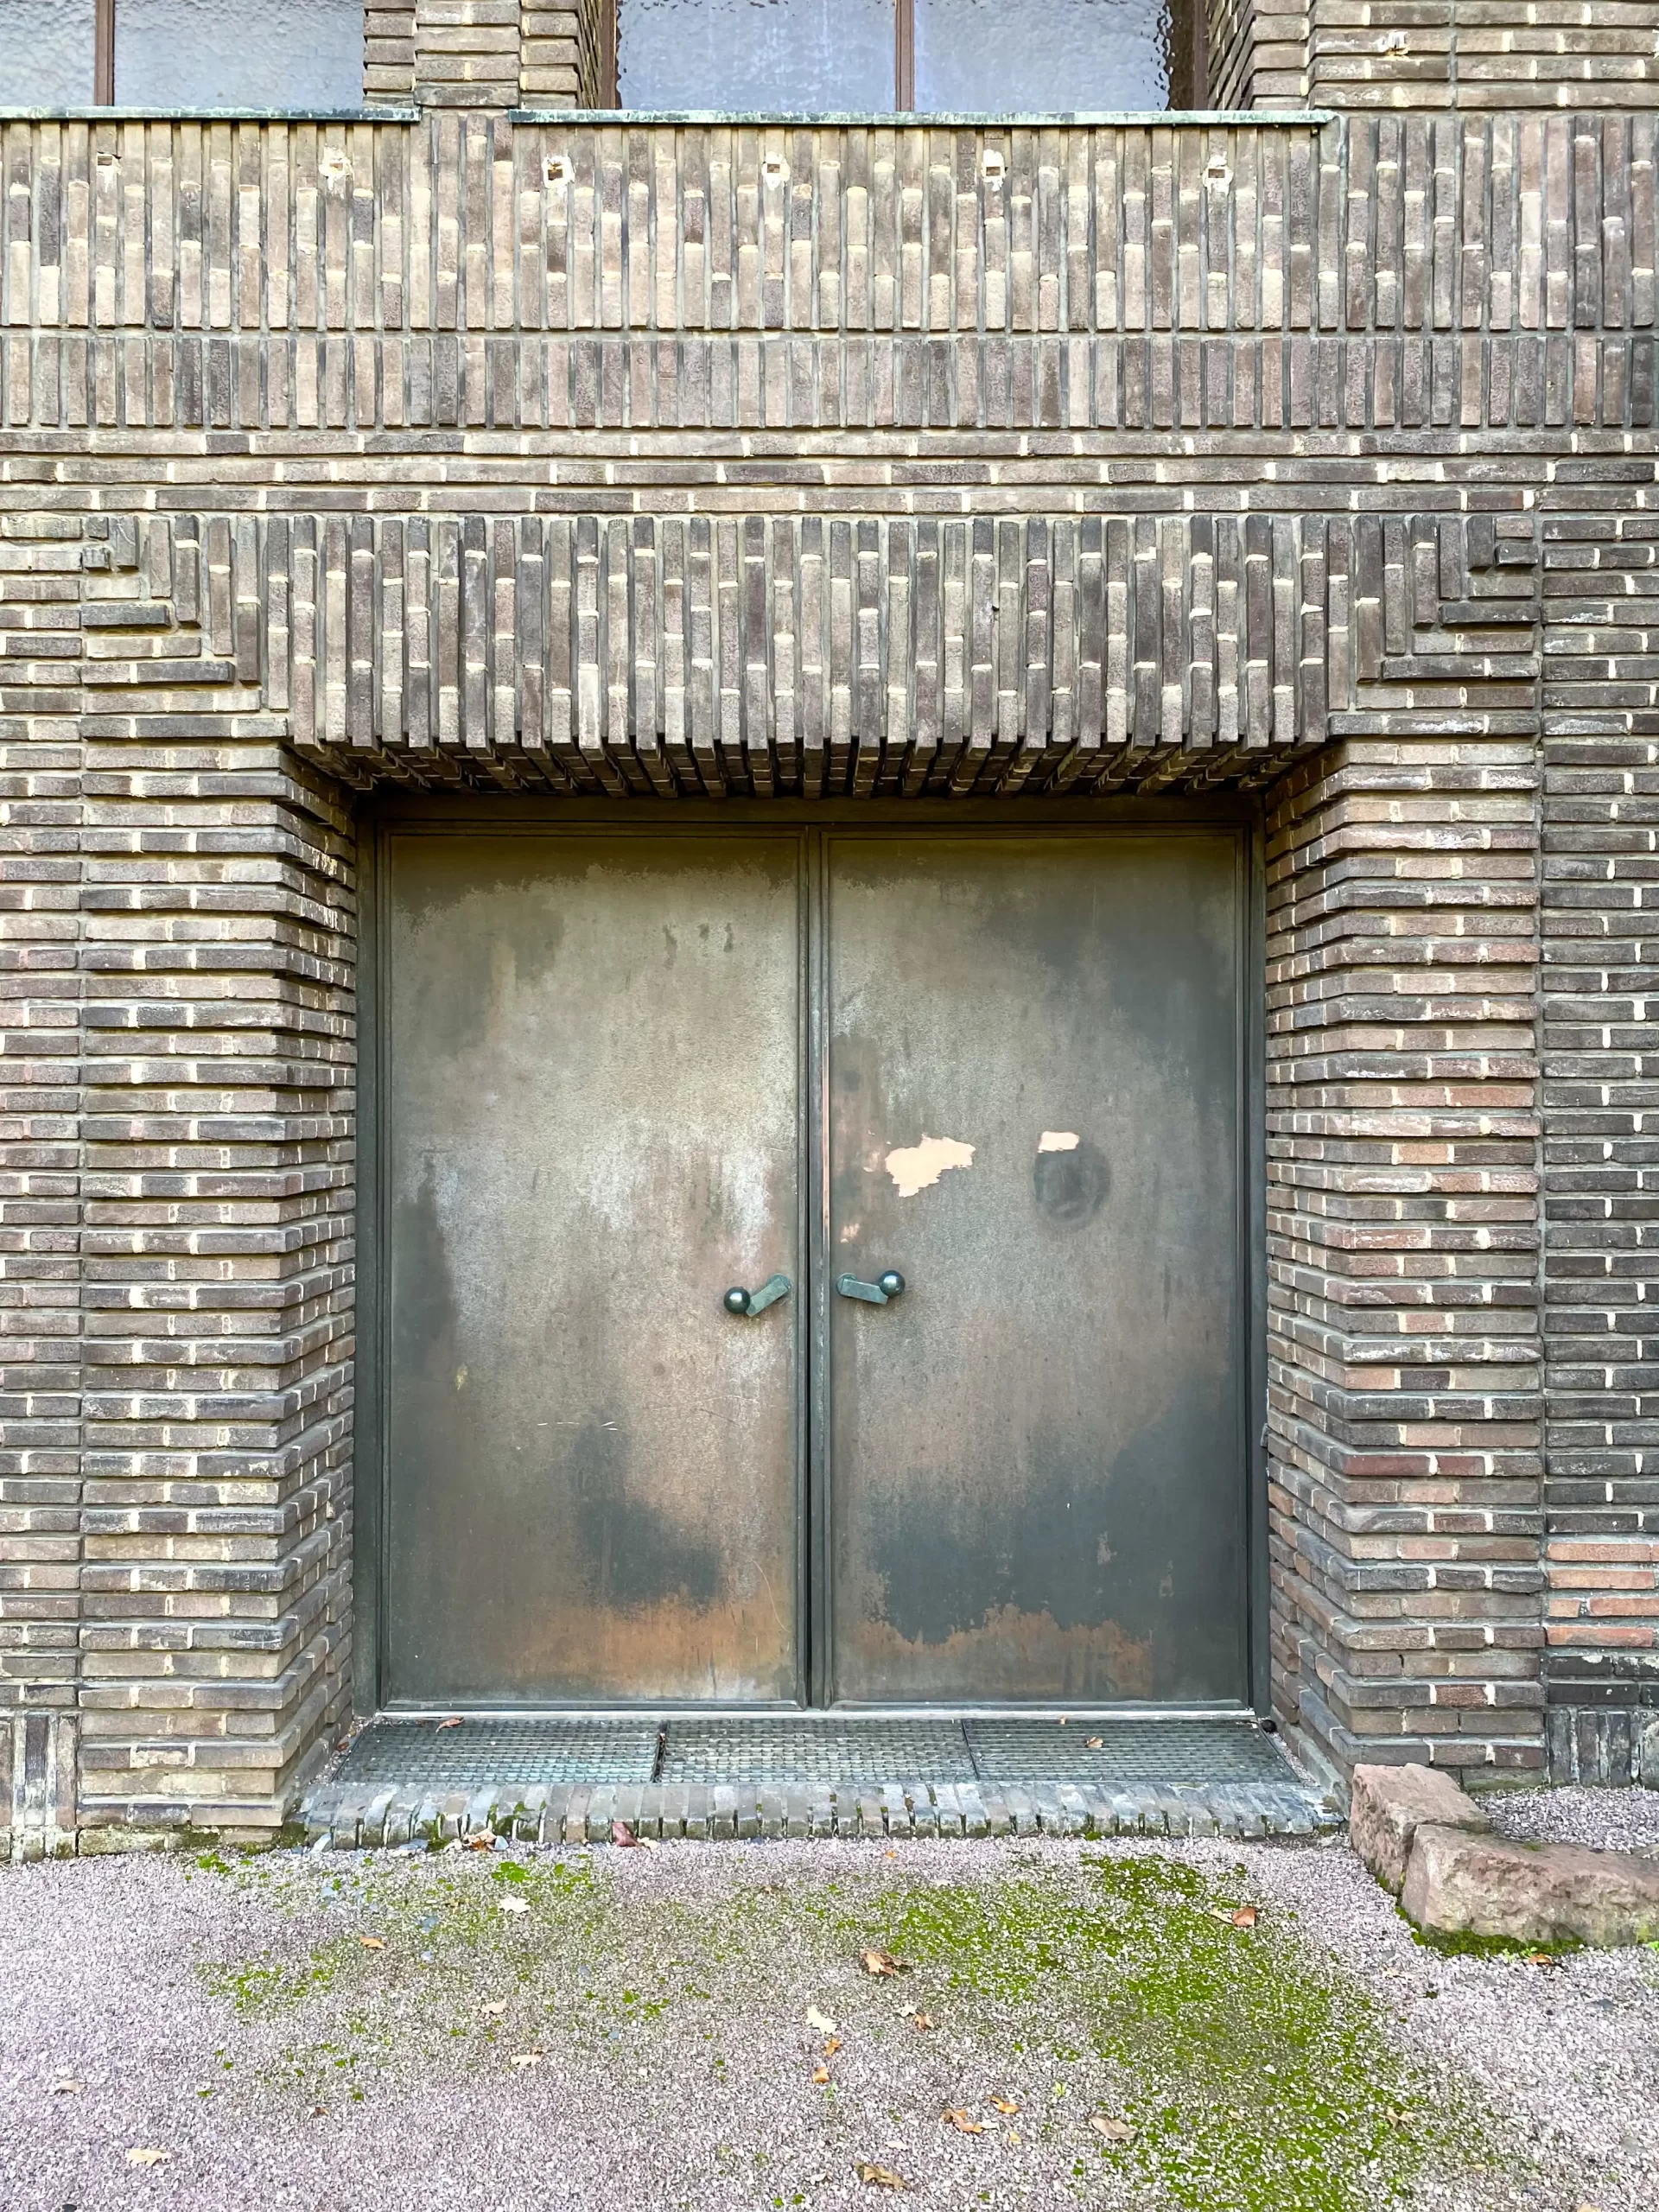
1601	1204
1472	55
456	453
1405	1416
40	1177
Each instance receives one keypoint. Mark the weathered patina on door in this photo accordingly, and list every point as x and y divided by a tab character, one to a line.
1037	1477
1008	1333
594	1116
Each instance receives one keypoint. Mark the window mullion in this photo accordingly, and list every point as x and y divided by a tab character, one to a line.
104	55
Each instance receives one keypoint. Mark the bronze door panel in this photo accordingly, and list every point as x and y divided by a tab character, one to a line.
593	1093
1037	1468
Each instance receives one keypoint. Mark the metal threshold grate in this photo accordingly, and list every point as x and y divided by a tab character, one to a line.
793	1750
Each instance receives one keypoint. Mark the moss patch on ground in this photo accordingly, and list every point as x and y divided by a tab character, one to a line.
1255	2077
1128	1986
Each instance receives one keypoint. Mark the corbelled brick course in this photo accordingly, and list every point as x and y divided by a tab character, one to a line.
577	456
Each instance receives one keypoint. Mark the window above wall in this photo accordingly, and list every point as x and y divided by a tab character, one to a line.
301	55
997	57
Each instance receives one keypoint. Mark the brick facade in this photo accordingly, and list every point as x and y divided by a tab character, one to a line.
465	447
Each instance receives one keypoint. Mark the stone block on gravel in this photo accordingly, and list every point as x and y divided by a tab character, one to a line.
1462	1884
1390	1803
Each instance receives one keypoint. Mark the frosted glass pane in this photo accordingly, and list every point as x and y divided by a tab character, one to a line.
47	50
790	57
295	53
1005	57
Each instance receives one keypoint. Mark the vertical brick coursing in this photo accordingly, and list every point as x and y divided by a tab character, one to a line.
1601	1150
1404	1414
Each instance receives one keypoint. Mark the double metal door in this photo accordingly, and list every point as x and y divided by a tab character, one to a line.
813	1267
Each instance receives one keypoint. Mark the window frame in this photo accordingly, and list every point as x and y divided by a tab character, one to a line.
104	55
103	50
904	54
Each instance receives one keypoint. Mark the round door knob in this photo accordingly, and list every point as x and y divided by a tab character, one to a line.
737	1299
893	1282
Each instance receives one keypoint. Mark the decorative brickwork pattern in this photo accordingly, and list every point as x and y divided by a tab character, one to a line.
1601	974
1404	274
816	655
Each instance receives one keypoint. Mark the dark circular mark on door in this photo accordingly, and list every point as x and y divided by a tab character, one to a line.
1071	1186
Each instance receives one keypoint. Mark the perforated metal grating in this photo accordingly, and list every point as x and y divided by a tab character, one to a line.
790	1750
484	1754
1127	1752
837	1752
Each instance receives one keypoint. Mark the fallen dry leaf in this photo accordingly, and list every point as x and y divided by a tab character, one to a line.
454	1722
623	1834
485	1841
1096	1743
372	1943
143	2156
67	2089
1114	2131
1005	2105
525	2058
1013	2135
921	2019
957	2116
889	1854
646	1842
1245	1916
876	2176
820	2023
512	1904
499	2006
832	2046
882	1962
1542	1959
820	2073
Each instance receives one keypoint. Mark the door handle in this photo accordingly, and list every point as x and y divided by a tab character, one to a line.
751	1302
885	1287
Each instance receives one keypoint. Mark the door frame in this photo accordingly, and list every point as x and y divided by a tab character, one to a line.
380	816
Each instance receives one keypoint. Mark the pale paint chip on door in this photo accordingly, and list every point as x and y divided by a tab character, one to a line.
917	1166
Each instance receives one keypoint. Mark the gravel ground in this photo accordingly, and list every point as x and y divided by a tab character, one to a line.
230	2014
1607	1820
